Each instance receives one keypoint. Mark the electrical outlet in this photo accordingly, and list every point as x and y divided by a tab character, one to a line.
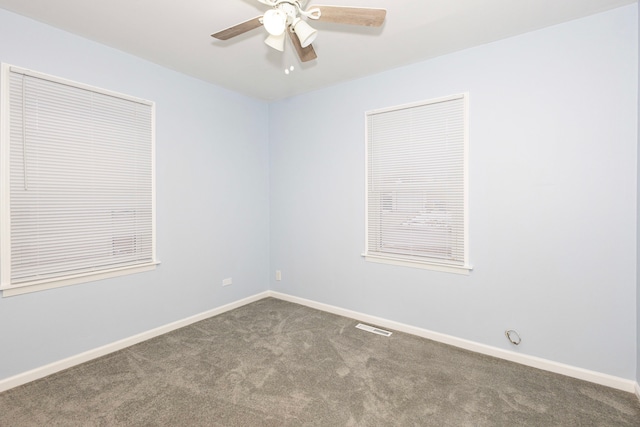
227	281
278	275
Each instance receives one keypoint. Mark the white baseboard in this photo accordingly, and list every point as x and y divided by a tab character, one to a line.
547	365
535	362
60	365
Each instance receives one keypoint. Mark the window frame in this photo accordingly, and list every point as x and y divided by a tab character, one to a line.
464	267
7	288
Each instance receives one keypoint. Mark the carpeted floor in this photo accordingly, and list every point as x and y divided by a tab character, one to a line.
274	363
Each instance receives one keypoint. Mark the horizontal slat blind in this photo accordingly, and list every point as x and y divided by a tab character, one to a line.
416	182
81	180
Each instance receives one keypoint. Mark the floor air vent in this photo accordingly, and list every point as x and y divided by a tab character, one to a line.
373	330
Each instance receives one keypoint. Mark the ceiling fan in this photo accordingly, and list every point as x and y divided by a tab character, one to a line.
289	17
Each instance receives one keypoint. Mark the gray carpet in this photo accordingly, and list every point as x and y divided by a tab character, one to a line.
274	363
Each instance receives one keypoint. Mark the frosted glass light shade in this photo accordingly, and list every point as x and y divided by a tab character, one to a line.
276	42
275	21
305	32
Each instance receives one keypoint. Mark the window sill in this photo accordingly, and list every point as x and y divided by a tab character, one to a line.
466	270
25	288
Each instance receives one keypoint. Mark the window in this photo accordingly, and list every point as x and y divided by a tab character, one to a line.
77	183
416	207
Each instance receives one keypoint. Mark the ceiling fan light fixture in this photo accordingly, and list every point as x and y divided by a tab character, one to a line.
305	32
276	42
291	16
275	21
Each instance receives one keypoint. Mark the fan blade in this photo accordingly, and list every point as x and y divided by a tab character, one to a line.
236	30
304	53
352	15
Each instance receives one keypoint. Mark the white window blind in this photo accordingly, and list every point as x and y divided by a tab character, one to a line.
78	184
417	184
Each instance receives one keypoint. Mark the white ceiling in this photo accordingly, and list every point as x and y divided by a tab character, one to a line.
176	34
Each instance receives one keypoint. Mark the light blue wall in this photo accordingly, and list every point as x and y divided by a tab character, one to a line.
638	242
553	140
212	205
553	198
